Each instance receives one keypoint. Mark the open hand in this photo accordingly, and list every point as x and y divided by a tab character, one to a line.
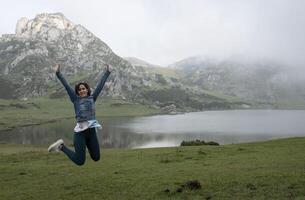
56	68
108	68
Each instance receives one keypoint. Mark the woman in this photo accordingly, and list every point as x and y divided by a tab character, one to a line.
85	129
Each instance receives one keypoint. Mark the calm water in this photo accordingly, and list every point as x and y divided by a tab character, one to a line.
224	127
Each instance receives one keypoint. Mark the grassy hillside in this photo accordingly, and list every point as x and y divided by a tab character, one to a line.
263	170
15	113
165	71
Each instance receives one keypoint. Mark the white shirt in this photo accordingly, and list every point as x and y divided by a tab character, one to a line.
81	126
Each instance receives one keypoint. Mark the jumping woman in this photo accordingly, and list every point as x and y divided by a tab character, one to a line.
85	129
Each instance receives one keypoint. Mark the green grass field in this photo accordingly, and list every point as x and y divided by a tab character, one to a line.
17	113
262	170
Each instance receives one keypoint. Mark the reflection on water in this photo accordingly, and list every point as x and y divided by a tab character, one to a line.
224	127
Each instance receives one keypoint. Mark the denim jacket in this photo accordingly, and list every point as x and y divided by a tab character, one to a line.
84	107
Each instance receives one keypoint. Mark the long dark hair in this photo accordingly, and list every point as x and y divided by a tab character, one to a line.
84	84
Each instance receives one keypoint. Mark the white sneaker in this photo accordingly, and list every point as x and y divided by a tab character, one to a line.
56	146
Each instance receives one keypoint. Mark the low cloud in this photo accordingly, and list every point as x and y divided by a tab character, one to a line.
162	32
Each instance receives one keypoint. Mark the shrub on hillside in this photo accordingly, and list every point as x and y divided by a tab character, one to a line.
198	143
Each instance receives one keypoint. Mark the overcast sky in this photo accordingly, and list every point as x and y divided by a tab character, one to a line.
165	31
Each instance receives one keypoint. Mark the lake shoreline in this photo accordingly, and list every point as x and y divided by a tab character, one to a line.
164	130
54	120
38	111
16	113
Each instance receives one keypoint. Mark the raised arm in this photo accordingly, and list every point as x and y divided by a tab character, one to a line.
68	88
101	83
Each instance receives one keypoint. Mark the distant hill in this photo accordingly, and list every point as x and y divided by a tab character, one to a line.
195	83
27	57
250	80
138	62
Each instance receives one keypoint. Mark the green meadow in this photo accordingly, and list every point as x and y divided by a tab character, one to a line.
261	170
17	113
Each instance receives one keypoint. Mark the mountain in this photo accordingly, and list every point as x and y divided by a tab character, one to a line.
27	55
138	62
250	80
26	58
195	83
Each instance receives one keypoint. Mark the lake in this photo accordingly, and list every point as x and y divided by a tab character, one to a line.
224	127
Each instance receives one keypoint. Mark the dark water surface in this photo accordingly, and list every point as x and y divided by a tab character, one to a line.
224	127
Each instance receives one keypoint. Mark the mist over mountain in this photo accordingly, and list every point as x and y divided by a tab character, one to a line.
138	62
252	80
27	57
198	82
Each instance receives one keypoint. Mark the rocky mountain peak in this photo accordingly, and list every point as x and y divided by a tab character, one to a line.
43	23
27	56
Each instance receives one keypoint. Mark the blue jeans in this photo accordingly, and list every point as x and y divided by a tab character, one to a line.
82	139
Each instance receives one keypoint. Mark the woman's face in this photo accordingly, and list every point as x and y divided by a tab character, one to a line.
82	91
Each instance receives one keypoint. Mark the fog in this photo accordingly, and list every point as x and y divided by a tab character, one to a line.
162	32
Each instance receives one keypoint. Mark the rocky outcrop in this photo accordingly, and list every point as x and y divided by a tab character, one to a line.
169	109
27	56
45	26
